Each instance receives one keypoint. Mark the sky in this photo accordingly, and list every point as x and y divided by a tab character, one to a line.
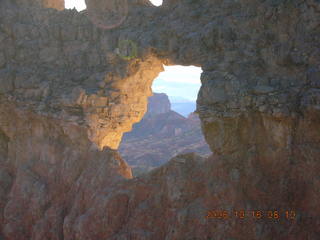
179	81
176	81
78	4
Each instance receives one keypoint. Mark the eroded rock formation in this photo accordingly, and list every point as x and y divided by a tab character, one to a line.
70	88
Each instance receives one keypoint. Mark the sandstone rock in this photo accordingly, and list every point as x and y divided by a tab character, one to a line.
2	60
6	81
48	54
262	90
314	77
67	150
57	4
60	180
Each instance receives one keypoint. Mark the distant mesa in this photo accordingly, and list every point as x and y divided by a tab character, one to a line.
160	135
157	104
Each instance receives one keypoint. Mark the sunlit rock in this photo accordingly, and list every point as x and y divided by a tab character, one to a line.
70	88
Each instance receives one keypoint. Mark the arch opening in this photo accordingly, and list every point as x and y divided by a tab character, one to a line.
181	84
156	2
170	127
79	5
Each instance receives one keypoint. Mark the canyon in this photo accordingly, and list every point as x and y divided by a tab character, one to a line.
72	83
161	135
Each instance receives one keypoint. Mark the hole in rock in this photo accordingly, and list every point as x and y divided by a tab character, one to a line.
170	126
81	5
156	2
77	4
105	14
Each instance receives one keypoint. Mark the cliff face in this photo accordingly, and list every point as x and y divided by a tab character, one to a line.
72	83
48	168
158	103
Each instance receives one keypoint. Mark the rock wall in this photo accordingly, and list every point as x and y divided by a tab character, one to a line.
48	168
72	83
57	4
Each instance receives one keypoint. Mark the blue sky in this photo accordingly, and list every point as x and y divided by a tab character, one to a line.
179	81
78	4
175	80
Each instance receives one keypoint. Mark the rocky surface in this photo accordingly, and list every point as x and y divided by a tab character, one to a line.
72	83
57	4
161	135
48	168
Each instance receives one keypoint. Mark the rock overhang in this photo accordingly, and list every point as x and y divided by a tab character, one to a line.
101	78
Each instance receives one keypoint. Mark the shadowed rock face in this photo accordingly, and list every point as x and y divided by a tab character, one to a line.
70	88
57	4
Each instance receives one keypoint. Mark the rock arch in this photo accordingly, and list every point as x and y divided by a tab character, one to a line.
74	83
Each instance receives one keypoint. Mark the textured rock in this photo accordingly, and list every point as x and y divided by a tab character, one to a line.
57	4
48	167
70	87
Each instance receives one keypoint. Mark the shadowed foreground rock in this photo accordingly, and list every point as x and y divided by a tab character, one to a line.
70	88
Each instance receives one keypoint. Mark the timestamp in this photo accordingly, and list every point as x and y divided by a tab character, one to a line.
253	214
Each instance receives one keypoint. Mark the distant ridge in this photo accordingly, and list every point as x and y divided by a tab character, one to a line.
178	99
